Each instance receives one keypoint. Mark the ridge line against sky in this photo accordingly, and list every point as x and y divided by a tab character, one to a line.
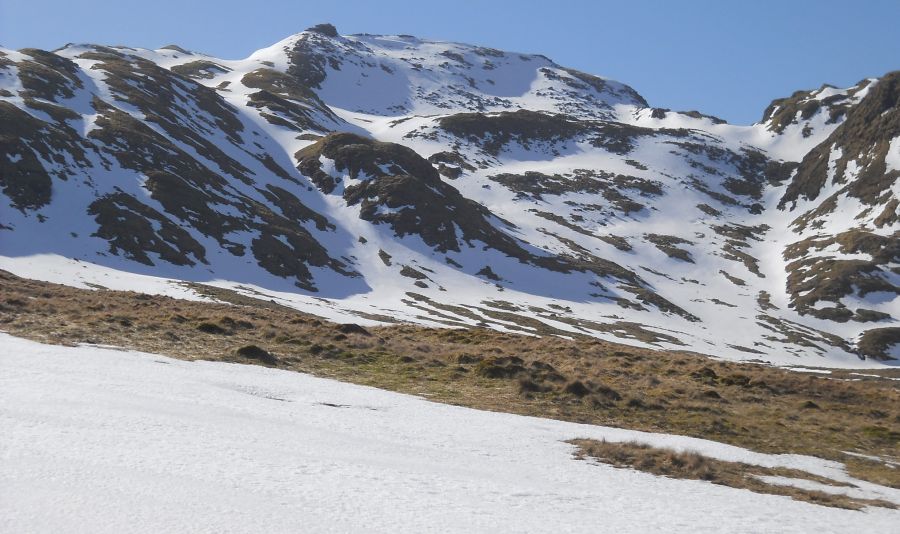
725	58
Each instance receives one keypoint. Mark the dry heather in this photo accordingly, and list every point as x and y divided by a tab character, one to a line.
694	466
584	380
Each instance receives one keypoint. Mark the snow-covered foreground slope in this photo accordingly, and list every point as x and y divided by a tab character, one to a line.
382	178
103	440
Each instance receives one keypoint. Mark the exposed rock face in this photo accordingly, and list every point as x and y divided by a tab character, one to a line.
803	106
863	139
26	182
464	185
185	144
286	100
393	185
850	176
328	30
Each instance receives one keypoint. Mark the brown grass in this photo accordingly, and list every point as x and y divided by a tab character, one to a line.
695	466
583	380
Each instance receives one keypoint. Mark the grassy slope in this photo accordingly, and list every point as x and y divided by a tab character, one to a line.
584	380
693	466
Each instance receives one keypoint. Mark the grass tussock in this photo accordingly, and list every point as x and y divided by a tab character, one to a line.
694	466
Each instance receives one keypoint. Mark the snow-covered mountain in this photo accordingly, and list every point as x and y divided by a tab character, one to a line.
390	178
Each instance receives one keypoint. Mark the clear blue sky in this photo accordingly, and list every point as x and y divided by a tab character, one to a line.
724	57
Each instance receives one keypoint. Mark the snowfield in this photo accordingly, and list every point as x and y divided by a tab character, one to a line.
102	440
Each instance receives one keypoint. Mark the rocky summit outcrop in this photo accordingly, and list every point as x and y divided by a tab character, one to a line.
395	178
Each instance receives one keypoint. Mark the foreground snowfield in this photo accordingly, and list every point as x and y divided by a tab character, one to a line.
102	440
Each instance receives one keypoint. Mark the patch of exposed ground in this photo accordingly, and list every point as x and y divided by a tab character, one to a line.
695	466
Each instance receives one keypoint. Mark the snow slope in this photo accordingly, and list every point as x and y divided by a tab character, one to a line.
103	440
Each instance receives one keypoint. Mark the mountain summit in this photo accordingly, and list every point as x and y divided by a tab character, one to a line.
373	178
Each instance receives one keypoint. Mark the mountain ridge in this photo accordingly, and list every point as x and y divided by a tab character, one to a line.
366	177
